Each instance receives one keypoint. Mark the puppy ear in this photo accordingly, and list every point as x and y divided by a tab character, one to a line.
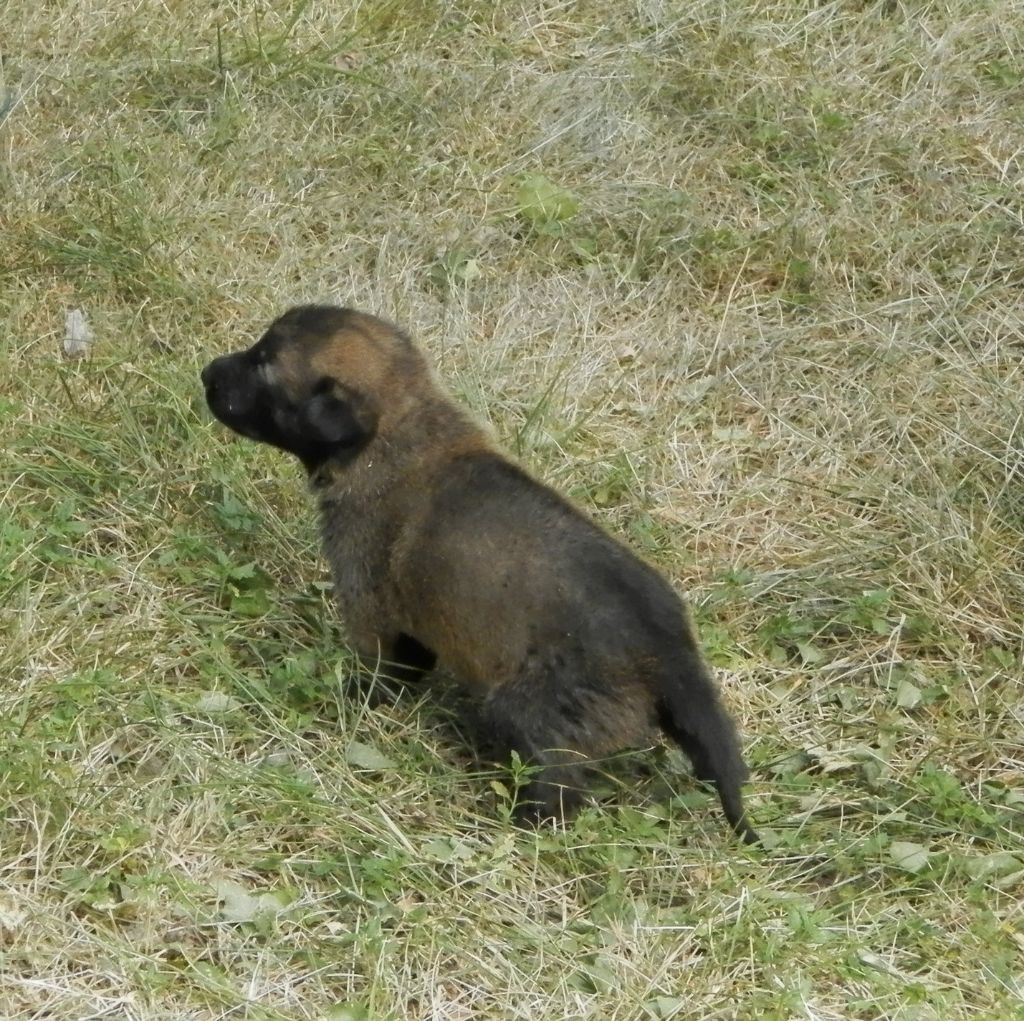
338	416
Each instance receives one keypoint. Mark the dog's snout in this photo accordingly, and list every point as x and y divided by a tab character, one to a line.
232	393
213	372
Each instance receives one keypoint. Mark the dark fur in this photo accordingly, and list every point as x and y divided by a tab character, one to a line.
444	550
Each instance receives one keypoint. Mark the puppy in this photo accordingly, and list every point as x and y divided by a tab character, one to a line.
444	550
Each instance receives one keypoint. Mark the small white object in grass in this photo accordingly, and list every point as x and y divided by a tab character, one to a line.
909	857
364	756
276	760
217	703
77	335
872	960
12	916
238	905
908	695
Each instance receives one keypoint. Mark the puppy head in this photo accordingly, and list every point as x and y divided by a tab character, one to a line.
315	384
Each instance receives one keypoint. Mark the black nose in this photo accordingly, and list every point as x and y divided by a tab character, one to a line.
207	374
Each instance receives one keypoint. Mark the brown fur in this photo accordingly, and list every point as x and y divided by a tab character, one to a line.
441	548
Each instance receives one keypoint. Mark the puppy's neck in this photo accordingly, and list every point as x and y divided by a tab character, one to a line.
407	450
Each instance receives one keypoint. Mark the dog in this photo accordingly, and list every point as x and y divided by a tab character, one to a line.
443	550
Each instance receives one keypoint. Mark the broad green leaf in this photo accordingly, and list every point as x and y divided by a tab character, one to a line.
907	695
238	905
348	1012
999	863
909	857
364	756
217	703
664	1006
541	201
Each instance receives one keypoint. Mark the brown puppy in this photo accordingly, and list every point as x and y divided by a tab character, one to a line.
443	549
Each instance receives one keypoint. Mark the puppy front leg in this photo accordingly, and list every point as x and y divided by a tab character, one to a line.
409	660
395	654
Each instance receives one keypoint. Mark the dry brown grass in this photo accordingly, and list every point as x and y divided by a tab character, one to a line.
778	346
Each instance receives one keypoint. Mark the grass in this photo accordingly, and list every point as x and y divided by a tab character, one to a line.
743	280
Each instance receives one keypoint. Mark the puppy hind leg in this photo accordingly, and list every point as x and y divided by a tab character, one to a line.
556	788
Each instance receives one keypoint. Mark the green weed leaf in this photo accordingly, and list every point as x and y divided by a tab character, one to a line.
217	703
910	857
663	1006
364	756
239	906
908	695
542	203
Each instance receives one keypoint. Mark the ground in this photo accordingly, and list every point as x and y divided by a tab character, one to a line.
743	279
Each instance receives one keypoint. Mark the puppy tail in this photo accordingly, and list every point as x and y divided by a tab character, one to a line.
691	712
